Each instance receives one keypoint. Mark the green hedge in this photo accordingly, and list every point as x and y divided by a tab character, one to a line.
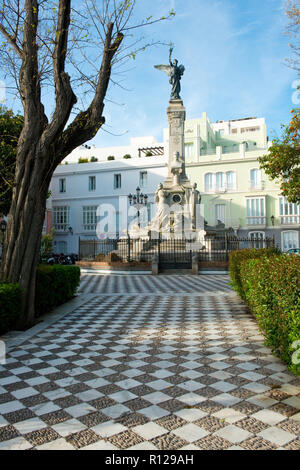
270	286
236	258
10	306
54	286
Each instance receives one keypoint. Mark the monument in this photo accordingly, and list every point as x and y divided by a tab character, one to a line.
177	201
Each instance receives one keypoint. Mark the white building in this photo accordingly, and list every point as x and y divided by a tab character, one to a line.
221	157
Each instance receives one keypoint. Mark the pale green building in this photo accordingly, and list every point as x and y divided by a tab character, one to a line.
222	158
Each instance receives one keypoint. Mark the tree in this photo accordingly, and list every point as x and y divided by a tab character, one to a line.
10	130
293	30
283	160
56	45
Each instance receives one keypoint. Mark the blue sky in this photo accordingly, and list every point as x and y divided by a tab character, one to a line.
233	52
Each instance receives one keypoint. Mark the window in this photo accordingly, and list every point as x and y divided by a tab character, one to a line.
208	184
221	132
258	239
249	129
255	211
220	213
289	240
117	181
89	217
289	213
255	178
219	181
61	217
143	179
234	131
230	180
189	150
62	185
92	183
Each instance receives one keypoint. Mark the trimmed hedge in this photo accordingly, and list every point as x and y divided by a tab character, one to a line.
54	286
10	306
270	285
236	258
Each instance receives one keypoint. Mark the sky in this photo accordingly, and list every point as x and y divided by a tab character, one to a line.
234	56
233	52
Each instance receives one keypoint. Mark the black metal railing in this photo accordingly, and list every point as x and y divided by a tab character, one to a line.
175	250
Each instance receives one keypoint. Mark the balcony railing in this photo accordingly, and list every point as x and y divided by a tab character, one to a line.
89	227
289	219
257	220
61	227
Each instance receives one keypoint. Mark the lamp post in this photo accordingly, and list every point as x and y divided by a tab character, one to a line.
272	220
138	200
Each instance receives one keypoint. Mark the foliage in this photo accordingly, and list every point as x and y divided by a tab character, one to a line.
293	30
47	245
54	286
271	288
283	160
236	258
66	51
10	129
110	157
149	154
83	160
10	306
94	159
127	156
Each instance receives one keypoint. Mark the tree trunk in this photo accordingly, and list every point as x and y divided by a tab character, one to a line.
24	230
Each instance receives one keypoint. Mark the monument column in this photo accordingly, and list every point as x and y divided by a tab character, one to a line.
176	117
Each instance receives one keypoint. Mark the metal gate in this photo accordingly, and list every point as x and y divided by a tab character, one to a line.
173	254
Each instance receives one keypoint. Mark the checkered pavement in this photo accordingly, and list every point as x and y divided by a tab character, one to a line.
149	371
113	284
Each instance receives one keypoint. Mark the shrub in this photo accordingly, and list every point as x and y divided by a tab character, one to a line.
100	257
271	288
54	286
127	156
112	257
236	258
83	160
10	306
94	159
110	157
149	154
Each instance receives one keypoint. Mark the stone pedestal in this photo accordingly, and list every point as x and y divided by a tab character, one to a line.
176	118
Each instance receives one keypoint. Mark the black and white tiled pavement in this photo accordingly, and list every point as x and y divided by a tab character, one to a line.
150	369
135	283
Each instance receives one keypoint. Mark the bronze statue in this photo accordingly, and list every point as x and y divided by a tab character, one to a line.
175	73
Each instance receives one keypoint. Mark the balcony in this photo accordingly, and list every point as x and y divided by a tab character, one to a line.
257	221
89	227
289	219
61	227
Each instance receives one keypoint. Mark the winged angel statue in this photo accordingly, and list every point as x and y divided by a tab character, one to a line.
175	73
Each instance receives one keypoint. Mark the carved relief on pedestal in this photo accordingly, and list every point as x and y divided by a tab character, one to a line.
175	140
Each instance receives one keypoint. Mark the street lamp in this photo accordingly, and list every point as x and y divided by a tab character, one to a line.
138	200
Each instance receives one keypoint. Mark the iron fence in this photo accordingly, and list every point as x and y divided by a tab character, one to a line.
179	251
